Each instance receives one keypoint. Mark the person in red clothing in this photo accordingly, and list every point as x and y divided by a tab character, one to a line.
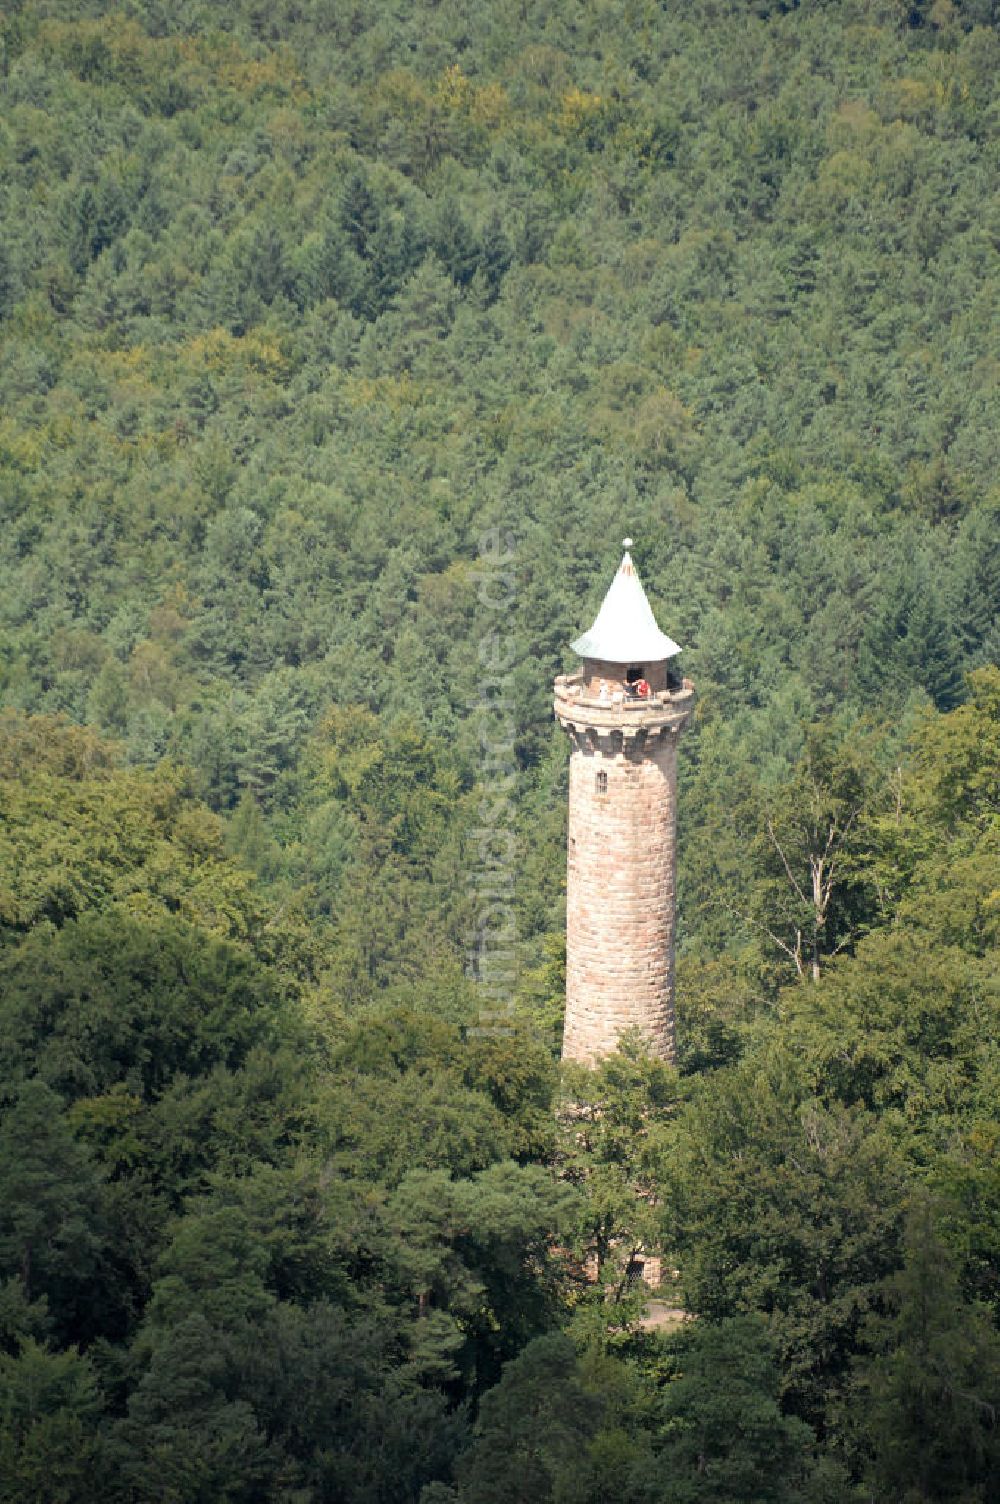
642	688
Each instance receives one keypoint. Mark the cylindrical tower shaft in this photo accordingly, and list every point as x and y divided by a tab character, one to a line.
620	893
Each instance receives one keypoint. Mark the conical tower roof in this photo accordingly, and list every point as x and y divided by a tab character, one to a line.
625	629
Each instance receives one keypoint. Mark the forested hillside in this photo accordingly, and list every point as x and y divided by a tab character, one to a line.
341	344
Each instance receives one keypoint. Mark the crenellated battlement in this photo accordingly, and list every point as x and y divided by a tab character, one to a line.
580	711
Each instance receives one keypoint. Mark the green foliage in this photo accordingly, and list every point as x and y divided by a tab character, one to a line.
531	1430
51	1230
611	1130
723	1435
184	1438
774	1203
49	1447
475	1255
808	893
81	834
297	307
415	1091
109	1002
927	1389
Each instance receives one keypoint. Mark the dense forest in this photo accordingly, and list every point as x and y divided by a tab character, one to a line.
341	343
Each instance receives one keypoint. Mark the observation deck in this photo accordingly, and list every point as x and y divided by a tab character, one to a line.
579	710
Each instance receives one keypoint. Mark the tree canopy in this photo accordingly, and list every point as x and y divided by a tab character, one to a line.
339	348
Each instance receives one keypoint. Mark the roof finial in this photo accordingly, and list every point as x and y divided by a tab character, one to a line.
626	543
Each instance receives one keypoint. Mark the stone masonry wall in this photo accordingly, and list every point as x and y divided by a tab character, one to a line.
620	892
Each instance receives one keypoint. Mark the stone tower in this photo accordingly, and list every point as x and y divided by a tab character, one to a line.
624	711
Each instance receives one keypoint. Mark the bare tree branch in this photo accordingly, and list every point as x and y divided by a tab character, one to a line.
784	861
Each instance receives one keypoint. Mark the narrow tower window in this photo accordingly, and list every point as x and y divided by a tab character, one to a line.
601	782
